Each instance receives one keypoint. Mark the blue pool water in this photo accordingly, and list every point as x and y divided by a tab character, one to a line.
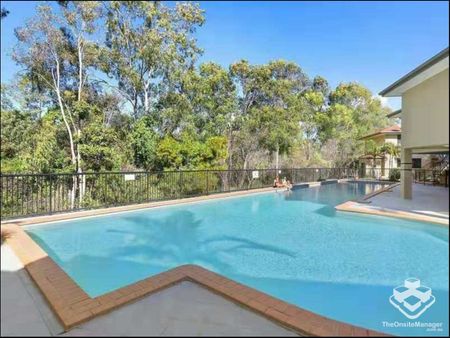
292	245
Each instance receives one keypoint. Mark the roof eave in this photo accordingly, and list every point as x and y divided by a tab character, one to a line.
394	113
418	70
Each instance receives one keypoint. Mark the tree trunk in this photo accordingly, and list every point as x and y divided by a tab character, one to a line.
69	131
277	152
146	97
81	177
80	70
81	180
244	172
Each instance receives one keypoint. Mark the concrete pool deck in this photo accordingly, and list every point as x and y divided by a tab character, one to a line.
429	204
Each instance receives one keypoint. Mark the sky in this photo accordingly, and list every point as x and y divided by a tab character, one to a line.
372	43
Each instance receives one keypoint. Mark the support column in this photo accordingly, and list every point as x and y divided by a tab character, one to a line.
406	174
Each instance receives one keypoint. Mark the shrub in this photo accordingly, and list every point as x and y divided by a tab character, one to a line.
394	175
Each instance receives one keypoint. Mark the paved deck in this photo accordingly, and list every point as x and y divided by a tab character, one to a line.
185	309
429	204
427	200
24	312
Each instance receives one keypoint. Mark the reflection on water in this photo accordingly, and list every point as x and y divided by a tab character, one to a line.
333	194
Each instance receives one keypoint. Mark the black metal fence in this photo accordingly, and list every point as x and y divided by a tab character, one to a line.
428	176
379	173
39	194
425	176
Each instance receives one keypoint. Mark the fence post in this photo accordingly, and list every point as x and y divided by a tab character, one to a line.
207	182
180	180
148	186
51	192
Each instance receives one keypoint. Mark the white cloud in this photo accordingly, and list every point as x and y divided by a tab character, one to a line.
384	100
390	102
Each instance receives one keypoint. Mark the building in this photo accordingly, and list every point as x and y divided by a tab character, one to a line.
380	164
425	113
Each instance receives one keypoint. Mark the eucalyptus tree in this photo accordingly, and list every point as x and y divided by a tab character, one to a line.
352	113
315	103
280	113
367	112
148	47
270	105
44	53
81	19
52	52
213	96
248	84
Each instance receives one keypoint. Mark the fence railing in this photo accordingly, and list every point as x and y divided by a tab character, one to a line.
39	194
380	173
435	177
425	176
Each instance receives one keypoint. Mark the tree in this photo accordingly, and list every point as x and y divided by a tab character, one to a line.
170	112
52	52
315	101
392	150
49	153
213	96
16	128
144	141
188	153
352	113
148	47
43	53
270	103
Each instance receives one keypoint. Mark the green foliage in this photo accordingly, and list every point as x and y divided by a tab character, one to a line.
16	129
189	153
49	154
394	174
143	141
135	99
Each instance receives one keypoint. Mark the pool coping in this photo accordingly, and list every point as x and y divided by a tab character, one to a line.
74	306
359	207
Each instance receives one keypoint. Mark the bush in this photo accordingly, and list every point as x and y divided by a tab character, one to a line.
394	174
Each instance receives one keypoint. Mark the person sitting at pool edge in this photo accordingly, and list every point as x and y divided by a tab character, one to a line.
286	184
277	183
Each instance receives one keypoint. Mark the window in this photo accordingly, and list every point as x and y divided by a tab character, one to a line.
417	163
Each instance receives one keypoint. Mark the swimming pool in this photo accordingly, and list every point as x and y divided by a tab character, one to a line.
292	245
